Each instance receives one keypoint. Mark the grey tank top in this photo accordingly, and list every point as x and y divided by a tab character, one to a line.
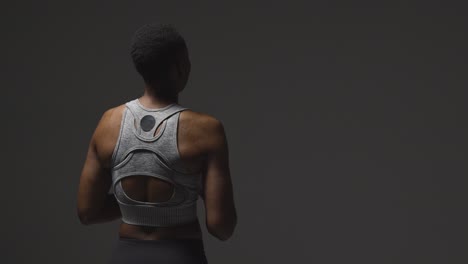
140	152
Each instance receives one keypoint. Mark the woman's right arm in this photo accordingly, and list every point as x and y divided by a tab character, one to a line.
218	197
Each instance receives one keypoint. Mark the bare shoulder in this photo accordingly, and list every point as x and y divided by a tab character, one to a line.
112	117
203	120
107	132
203	128
200	122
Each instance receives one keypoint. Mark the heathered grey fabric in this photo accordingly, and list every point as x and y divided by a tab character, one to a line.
138	152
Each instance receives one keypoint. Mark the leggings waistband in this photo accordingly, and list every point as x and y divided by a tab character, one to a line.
183	251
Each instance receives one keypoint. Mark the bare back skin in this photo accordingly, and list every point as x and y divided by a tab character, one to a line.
193	143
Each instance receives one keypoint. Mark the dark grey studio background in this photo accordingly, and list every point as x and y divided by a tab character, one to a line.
346	124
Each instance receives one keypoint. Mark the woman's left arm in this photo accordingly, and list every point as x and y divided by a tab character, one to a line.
95	203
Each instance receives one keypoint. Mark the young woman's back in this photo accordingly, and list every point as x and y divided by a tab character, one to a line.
202	152
157	158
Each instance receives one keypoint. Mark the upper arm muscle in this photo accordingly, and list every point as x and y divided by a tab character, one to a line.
218	191
95	179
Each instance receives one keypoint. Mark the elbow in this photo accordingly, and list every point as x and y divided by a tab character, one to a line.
224	236
83	220
222	230
83	217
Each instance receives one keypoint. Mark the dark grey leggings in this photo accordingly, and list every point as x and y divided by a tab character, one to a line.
136	251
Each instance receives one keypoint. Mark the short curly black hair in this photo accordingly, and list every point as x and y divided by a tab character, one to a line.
154	48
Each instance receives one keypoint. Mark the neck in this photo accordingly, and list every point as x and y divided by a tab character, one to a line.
151	99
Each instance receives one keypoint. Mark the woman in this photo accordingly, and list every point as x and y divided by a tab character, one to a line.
156	158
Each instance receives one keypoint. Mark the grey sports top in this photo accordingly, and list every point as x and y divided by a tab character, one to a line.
140	152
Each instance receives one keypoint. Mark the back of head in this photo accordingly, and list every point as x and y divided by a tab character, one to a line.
155	50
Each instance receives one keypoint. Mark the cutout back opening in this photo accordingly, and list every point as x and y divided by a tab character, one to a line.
159	128
143	188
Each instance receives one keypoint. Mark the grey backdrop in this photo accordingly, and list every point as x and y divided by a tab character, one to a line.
346	124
